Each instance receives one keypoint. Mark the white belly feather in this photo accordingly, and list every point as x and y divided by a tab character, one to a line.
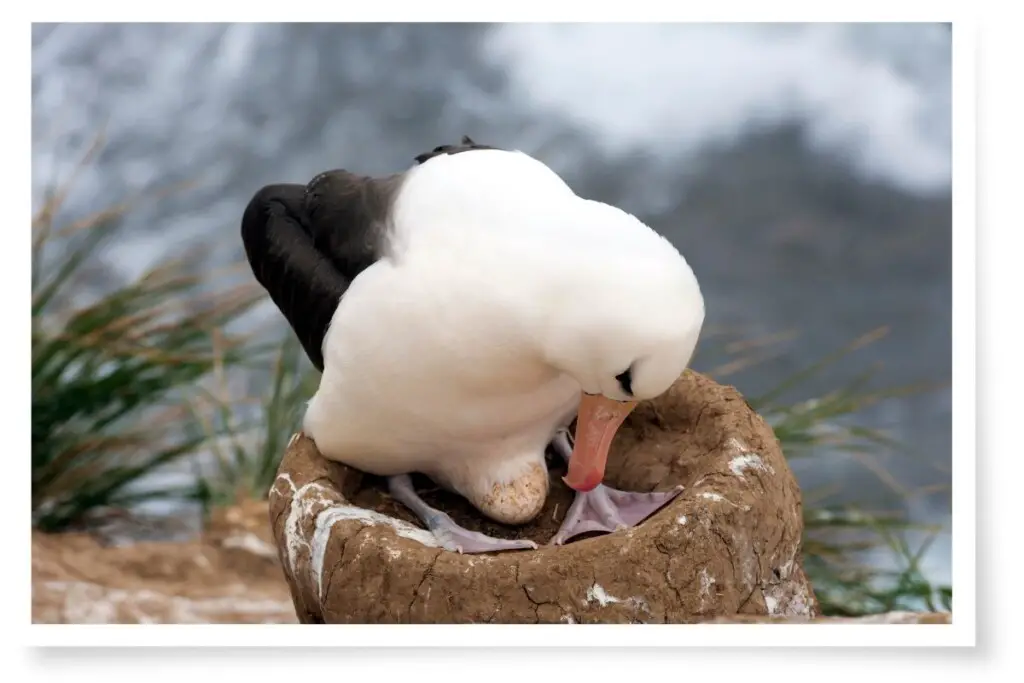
428	374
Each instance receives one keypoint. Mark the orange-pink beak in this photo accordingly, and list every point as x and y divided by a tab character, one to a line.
598	420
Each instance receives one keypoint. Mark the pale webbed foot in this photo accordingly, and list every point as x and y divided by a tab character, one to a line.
605	509
450	535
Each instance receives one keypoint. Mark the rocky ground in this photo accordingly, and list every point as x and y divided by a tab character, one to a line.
230	574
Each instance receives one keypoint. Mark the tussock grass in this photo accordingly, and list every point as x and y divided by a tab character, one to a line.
845	546
110	371
247	454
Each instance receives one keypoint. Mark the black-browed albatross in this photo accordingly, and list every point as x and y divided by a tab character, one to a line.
462	314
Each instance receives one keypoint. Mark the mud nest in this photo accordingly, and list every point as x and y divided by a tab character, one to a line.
728	544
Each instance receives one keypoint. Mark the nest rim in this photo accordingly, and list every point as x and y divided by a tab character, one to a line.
320	532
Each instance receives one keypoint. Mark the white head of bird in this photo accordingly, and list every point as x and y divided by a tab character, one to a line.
624	323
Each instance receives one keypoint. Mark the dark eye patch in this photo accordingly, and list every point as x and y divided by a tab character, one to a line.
625	380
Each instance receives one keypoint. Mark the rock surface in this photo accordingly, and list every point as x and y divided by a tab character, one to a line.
728	545
231	575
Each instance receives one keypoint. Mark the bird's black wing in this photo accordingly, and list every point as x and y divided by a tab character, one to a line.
307	243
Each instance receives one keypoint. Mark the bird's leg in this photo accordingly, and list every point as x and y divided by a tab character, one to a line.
450	535
604	508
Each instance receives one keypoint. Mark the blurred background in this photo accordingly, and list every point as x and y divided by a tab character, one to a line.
803	170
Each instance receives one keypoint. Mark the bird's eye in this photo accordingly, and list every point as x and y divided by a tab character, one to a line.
625	380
